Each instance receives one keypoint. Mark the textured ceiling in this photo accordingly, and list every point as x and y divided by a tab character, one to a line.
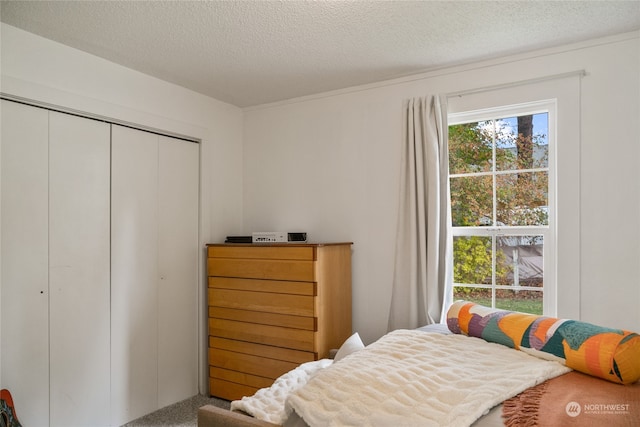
254	52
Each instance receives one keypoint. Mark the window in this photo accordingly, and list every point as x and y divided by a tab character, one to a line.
501	174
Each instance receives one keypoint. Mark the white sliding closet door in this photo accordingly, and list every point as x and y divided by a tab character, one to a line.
134	274
154	260
79	269
24	308
178	260
98	268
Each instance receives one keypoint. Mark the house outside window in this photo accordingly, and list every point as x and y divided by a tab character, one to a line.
502	179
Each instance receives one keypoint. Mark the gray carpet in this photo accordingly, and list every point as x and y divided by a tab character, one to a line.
181	414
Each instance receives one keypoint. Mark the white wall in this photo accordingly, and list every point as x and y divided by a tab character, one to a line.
39	69
329	165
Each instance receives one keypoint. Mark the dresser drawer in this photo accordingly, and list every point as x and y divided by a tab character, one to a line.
297	339
262	318
229	390
249	364
289	252
239	377
297	305
278	353
274	286
262	269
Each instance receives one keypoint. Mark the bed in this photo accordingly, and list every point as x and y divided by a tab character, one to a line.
486	367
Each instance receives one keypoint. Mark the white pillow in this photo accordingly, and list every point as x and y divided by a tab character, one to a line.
351	345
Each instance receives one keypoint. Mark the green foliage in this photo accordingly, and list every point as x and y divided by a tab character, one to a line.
473	264
470	148
473	260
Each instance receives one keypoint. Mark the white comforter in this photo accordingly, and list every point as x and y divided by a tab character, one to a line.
267	404
415	378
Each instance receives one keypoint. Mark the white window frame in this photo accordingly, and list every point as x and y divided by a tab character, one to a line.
549	232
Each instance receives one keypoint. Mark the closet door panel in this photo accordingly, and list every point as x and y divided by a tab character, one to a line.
79	269
134	274
24	309
178	256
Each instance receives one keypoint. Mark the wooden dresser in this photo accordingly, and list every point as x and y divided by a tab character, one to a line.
271	308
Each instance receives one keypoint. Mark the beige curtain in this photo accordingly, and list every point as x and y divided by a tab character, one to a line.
423	259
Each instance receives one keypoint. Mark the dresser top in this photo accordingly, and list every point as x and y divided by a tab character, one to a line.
281	244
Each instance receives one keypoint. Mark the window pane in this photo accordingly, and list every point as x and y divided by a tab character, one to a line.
506	144
540	140
521	142
472	260
519	261
471	201
524	301
522	198
470	147
480	296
